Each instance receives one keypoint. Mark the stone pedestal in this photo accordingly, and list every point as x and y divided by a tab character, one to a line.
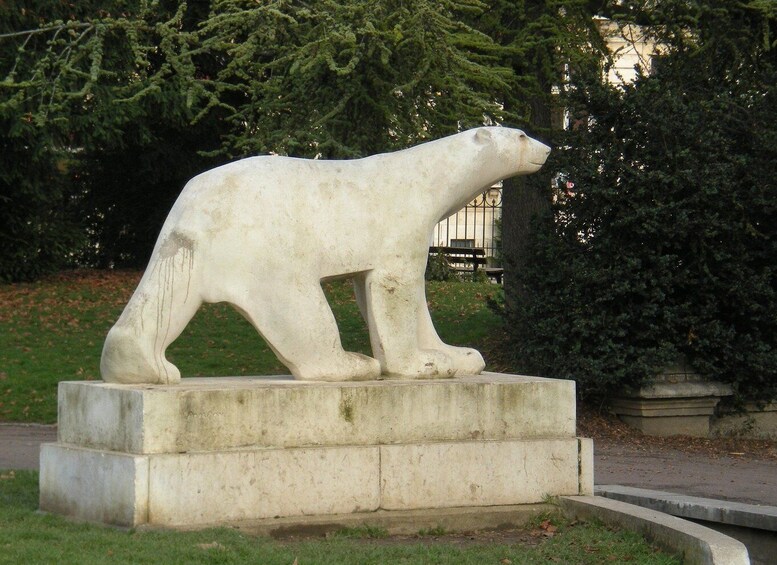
227	450
677	403
756	422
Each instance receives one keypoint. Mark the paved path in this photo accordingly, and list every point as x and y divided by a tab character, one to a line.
20	444
745	480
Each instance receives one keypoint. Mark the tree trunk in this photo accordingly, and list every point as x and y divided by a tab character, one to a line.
523	199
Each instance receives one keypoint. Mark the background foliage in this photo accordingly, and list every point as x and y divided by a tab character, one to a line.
119	103
98	135
666	251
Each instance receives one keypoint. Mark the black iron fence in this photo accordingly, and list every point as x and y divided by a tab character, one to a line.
475	225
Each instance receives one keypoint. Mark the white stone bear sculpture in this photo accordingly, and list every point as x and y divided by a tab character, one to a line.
263	232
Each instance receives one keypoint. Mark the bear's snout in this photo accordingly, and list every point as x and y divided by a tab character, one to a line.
535	156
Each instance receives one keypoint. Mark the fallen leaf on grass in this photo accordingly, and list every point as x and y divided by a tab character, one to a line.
548	527
543	533
9	476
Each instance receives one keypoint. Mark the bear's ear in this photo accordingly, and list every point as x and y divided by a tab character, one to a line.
482	135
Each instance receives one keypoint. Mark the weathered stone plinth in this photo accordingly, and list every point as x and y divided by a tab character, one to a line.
226	450
677	403
756	422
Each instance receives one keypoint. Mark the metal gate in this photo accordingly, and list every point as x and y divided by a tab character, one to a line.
475	225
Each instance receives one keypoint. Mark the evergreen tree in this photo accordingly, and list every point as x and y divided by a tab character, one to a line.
91	88
141	95
349	78
39	202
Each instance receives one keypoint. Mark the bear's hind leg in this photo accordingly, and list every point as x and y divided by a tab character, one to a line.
157	313
295	319
129	359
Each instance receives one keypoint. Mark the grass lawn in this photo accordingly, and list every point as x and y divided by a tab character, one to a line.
53	330
29	537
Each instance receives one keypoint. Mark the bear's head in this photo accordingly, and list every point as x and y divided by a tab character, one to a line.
514	144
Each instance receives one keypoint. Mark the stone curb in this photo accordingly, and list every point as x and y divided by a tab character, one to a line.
695	508
695	544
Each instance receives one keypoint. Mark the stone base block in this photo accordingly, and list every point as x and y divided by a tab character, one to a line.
98	486
674	405
207	488
191	489
757	422
663	426
203	414
161	460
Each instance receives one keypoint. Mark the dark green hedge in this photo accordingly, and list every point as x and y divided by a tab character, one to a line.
667	248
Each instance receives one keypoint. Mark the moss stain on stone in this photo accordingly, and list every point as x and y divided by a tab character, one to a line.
346	409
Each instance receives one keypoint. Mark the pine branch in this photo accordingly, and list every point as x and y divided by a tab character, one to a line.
57	28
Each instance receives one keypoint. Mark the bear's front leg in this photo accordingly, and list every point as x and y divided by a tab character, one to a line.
466	361
393	316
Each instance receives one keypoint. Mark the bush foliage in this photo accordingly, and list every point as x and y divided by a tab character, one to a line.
666	247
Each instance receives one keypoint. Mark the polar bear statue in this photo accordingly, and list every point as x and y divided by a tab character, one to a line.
262	233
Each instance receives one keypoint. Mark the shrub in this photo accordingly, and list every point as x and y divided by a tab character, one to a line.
439	269
668	247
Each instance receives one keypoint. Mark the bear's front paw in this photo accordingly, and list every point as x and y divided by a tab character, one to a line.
465	360
423	364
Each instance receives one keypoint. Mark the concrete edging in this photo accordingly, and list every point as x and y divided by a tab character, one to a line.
695	508
694	543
